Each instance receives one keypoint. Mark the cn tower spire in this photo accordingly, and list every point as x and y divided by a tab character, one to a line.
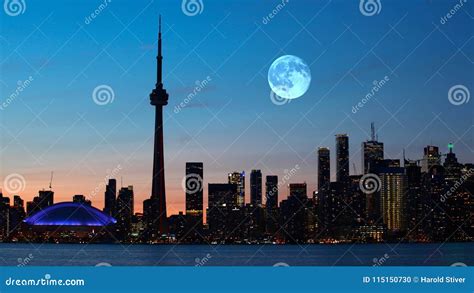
159	58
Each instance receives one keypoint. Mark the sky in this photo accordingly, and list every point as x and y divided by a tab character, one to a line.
230	123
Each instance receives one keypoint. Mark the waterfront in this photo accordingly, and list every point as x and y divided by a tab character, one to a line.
392	254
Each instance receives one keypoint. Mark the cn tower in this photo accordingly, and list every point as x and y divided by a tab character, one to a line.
159	98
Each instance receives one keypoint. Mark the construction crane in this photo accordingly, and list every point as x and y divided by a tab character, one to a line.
51	180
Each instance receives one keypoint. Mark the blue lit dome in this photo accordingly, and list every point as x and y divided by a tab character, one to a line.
70	214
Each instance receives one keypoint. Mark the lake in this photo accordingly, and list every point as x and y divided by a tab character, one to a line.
391	254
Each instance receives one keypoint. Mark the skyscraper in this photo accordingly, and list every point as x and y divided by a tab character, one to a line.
324	169
256	187
271	187
124	211
158	98
431	157
194	191
238	178
452	166
393	197
221	204
110	197
372	151
342	158
271	204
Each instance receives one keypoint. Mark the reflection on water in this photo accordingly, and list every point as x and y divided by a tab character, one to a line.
238	255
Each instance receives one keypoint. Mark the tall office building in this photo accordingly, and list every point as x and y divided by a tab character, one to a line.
372	151
431	157
324	169
110	197
342	158
271	192
221	204
256	187
393	197
194	191
46	198
271	203
124	211
238	178
294	214
451	165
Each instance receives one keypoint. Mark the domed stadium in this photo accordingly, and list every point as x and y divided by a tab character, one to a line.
70	214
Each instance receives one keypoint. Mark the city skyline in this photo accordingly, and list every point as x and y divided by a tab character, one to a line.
407	111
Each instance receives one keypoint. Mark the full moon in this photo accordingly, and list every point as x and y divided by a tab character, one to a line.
289	77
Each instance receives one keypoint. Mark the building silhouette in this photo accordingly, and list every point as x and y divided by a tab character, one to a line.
238	178
324	169
110	197
342	158
372	151
256	187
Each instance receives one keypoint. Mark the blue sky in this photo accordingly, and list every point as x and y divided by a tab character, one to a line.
231	124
